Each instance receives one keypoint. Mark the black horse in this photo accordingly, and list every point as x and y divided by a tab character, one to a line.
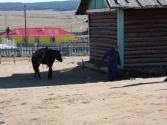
48	59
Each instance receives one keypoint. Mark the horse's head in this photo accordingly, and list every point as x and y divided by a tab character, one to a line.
57	55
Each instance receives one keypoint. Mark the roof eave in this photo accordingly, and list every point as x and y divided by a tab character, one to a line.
134	7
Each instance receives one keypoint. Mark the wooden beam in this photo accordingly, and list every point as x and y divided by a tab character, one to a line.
114	36
143	44
146	56
98	10
112	21
89	35
145	52
145	65
104	15
104	40
97	44
146	48
120	35
109	24
145	60
100	29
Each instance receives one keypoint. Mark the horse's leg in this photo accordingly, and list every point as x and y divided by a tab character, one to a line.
38	71
34	64
50	73
35	74
49	64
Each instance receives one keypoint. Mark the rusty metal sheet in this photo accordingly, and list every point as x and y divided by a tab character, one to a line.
137	3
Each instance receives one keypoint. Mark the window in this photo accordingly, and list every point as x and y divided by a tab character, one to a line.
37	40
52	39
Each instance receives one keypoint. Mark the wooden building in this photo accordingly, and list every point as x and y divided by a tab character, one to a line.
138	27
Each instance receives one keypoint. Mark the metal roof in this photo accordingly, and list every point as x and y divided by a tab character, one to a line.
81	9
37	32
137	3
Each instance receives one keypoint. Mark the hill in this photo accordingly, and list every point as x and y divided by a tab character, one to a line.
56	5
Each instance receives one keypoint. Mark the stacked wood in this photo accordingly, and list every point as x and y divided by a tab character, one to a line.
145	38
103	34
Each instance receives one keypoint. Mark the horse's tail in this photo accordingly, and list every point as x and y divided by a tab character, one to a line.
33	62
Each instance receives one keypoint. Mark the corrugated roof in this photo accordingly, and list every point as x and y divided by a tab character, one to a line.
125	4
37	32
137	3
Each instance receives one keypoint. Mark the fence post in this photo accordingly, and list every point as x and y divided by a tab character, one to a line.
14	59
21	50
69	49
0	58
61	49
17	50
29	50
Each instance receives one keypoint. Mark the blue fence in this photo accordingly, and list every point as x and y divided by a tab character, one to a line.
27	51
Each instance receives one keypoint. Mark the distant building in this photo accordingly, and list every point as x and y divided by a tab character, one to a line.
42	36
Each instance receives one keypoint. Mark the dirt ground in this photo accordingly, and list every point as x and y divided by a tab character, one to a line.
77	96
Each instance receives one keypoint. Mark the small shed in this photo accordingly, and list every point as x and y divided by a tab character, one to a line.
139	27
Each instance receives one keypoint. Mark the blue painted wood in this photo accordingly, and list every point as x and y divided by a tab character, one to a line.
96	4
120	35
89	34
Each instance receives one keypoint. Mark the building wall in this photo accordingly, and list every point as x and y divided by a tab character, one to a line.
60	38
44	39
18	39
145	37
103	34
31	39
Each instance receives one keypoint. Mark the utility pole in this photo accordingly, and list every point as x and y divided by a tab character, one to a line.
71	28
25	25
5	21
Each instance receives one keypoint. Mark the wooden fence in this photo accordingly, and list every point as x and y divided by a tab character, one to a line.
28	51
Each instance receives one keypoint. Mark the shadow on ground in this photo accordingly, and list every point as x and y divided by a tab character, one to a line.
138	84
77	75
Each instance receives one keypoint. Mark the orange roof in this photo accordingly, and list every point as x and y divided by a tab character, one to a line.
37	32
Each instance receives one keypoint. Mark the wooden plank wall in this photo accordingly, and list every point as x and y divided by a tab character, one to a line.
145	37
103	34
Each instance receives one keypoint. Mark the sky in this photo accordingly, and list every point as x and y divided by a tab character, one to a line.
28	1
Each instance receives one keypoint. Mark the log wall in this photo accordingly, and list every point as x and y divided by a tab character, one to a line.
145	38
103	34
